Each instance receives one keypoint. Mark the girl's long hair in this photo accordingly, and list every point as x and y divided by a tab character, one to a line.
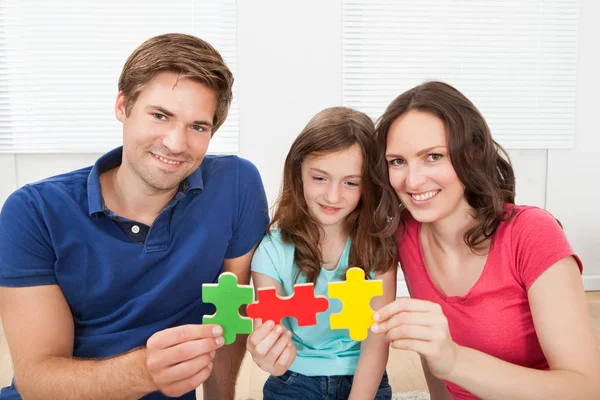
373	249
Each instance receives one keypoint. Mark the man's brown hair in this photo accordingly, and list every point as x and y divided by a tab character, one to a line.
185	55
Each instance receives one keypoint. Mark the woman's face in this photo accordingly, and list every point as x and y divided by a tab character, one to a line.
419	167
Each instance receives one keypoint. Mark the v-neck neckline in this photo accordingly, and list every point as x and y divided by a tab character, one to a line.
440	293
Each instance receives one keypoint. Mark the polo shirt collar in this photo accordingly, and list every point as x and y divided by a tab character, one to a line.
112	159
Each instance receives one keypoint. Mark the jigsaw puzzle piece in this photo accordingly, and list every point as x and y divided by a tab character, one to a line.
269	306
228	297
302	305
355	294
307	305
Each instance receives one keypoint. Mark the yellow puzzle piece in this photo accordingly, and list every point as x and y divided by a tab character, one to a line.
355	294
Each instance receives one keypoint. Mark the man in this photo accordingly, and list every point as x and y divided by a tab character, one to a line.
102	268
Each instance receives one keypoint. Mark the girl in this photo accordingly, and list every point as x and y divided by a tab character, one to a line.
498	309
326	220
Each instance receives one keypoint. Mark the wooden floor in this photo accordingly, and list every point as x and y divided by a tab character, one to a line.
404	367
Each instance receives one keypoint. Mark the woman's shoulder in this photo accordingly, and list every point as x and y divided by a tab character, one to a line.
522	217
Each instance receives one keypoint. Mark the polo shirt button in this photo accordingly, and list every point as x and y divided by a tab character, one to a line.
135	229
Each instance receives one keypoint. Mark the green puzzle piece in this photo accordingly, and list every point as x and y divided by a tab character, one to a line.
228	296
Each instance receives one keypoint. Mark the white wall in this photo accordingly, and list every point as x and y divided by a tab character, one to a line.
573	192
289	68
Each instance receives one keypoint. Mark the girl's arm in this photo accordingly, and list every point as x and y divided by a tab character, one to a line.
562	323
374	350
270	345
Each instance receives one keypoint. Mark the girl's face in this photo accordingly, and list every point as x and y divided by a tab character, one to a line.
420	169
331	185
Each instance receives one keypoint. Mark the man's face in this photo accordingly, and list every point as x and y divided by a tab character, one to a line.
167	131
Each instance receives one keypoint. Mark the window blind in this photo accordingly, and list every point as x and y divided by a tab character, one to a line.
515	59
60	63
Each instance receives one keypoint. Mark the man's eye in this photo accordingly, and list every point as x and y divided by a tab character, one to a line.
159	116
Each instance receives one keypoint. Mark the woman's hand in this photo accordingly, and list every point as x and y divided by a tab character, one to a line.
272	348
420	326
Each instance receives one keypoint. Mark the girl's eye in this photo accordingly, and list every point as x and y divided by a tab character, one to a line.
318	179
396	162
434	157
352	184
159	116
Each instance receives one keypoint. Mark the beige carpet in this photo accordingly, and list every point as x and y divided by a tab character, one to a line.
414	395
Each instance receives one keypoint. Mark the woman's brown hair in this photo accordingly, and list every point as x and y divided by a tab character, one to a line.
482	165
333	130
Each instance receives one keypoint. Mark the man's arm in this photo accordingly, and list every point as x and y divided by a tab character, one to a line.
39	330
228	359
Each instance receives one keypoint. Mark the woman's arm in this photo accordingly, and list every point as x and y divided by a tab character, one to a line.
562	323
563	327
374	350
436	386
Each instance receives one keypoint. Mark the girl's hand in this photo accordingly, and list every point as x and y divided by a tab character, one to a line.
420	326
272	348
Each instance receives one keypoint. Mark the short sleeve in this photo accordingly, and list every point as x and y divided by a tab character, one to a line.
27	257
538	243
253	212
267	257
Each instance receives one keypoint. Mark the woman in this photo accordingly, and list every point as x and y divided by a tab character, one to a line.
498	310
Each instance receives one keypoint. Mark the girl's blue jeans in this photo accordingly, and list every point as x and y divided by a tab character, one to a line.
295	386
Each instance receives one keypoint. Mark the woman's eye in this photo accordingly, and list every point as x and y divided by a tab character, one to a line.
434	157
396	162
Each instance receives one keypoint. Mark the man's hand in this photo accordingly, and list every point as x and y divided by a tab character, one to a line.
180	359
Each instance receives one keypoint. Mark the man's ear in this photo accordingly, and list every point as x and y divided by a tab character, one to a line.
120	106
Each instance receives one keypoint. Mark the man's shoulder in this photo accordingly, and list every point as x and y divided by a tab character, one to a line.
53	188
230	171
72	179
44	199
225	163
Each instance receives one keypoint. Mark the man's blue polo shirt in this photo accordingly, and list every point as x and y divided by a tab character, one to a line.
57	232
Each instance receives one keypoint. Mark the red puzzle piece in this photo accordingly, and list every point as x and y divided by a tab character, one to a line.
302	305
